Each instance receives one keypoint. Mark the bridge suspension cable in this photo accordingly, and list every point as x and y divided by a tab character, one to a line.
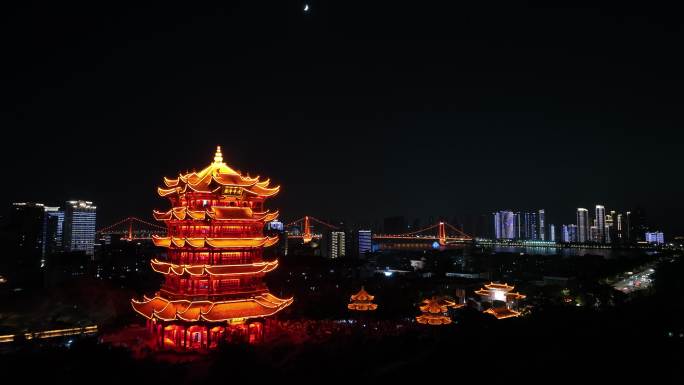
312	219
144	229
130	220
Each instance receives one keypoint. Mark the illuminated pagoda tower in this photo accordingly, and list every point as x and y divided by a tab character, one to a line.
214	265
435	311
502	293
362	301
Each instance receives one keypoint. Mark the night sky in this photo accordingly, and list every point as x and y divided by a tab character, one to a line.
360	109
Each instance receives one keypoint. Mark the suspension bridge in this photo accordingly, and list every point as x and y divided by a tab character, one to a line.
441	232
132	228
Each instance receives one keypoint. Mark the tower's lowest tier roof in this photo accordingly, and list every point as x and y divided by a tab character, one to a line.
262	305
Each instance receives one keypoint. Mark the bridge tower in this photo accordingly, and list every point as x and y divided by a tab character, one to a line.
441	234
306	236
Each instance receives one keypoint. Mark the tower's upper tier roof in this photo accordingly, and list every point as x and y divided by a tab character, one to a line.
214	178
215	213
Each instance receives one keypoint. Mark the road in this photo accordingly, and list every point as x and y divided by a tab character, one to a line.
635	281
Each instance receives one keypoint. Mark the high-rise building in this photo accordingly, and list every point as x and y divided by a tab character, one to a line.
53	224
569	233
628	226
518	225
655	237
78	232
552	233
582	225
530	225
600	224
541	233
620	228
365	242
25	227
504	225
498	231
337	244
612	224
593	234
572	231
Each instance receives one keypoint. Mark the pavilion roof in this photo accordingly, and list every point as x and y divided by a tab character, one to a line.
502	312
362	295
436	305
433	319
489	290
362	301
362	306
499	286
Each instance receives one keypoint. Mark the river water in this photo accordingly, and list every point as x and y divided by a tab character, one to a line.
569	252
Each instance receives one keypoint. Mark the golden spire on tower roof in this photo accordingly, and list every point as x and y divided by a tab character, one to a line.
218	158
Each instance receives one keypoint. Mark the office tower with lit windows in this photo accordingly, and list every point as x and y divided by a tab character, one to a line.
593	234
582	225
541	220
53	224
627	226
530	226
656	237
572	232
518	225
78	233
569	233
504	225
552	233
612	226
619	228
365	242
337	244
600	224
